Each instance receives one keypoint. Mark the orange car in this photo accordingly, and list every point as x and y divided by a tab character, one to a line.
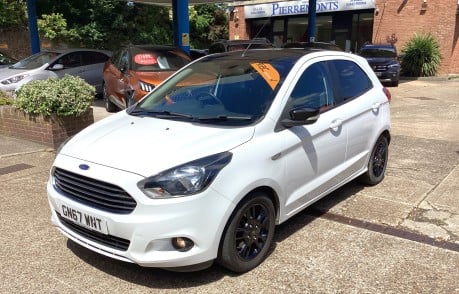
135	70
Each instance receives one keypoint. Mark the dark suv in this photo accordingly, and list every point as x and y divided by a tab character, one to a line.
383	60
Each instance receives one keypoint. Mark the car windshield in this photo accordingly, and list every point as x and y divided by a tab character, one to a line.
222	90
36	60
378	52
156	59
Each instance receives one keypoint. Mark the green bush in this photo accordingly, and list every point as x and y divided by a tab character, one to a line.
422	56
68	96
4	99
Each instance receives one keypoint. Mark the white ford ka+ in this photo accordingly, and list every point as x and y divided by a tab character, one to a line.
204	167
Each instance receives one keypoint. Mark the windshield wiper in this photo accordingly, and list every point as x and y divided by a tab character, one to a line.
223	118
159	114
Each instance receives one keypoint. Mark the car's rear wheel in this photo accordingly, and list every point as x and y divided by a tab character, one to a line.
248	234
377	163
109	106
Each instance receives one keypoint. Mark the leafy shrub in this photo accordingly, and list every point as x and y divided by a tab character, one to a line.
422	56
4	99
65	97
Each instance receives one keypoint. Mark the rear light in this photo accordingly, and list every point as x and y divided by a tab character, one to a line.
387	93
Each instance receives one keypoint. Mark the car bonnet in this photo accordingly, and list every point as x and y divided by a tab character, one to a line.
147	146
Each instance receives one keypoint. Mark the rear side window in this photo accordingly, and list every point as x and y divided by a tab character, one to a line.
93	57
352	80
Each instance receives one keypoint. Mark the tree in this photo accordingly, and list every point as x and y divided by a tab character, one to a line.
108	23
208	23
13	13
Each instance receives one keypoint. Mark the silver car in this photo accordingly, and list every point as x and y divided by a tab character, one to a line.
85	63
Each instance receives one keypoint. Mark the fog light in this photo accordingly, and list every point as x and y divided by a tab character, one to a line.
182	243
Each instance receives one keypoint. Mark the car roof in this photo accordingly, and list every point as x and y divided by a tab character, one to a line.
247	41
63	51
313	45
268	54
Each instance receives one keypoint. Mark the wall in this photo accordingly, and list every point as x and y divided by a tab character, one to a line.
50	131
404	18
15	43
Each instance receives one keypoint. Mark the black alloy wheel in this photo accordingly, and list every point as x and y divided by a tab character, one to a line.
248	235
377	163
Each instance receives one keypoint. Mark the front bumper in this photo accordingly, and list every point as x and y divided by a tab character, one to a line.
147	231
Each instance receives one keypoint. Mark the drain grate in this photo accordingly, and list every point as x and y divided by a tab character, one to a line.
384	229
14	168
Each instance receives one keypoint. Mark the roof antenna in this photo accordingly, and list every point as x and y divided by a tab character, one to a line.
250	44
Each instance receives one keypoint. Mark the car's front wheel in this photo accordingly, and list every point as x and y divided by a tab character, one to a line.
248	234
377	163
109	106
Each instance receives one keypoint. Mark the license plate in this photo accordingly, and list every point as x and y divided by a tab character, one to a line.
84	219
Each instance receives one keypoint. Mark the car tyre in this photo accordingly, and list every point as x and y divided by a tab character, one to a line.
248	235
377	163
395	83
109	106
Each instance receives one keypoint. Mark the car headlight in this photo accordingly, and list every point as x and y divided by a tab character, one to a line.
186	179
14	79
395	65
146	86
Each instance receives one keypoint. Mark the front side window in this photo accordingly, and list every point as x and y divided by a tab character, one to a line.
313	89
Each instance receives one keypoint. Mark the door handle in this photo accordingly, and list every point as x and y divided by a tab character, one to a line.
336	124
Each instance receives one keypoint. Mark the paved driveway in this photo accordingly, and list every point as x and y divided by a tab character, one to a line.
401	236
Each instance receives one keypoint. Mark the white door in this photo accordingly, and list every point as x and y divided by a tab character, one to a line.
313	154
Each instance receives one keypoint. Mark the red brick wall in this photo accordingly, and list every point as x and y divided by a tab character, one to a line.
50	131
237	25
404	18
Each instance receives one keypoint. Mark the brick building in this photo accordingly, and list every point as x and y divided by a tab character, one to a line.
351	23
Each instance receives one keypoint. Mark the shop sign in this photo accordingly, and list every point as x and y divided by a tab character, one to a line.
302	7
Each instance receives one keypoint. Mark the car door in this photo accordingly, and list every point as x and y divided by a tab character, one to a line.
314	154
362	105
72	64
118	76
92	68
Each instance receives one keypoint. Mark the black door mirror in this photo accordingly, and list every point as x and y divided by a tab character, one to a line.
301	116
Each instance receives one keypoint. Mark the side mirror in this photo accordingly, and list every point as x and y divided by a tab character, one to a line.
57	66
301	116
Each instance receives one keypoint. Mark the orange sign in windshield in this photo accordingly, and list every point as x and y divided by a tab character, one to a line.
268	72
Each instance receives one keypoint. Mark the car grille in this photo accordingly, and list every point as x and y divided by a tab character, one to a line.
93	193
107	240
379	67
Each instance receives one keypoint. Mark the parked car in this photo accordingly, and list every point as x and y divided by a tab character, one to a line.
313	45
197	53
218	154
232	45
6	60
384	62
135	70
85	63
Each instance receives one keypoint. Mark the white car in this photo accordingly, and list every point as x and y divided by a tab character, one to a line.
206	165
85	63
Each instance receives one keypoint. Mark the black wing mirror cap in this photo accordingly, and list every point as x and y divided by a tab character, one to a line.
301	116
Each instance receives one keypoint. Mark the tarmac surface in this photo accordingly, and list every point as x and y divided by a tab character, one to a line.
401	236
